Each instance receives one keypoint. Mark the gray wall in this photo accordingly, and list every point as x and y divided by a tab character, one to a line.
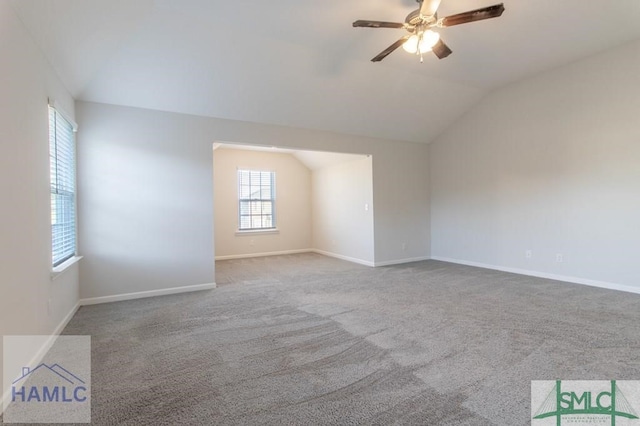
30	301
341	225
133	161
551	165
145	201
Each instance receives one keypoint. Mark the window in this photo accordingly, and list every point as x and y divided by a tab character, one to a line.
63	187
256	200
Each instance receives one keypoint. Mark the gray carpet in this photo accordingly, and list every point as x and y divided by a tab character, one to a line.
306	339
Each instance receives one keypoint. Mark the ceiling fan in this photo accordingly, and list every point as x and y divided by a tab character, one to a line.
419	24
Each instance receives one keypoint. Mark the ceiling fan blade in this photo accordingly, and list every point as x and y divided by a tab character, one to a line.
429	7
441	50
377	24
473	15
390	49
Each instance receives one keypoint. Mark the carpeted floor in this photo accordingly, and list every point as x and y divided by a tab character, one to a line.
306	339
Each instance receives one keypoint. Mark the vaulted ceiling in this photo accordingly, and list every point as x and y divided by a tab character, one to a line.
300	63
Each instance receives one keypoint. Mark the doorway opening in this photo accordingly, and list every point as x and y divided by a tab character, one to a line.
317	202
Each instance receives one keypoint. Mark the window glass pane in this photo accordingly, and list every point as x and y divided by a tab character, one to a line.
243	177
266	208
266	222
256	222
255	193
255	178
245	222
265	193
63	186
255	199
255	208
244	208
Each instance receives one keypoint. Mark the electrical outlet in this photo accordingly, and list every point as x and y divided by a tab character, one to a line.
49	306
366	207
404	246
528	254
252	243
559	258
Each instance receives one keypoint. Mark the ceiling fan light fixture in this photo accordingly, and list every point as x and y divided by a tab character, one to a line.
411	45
429	39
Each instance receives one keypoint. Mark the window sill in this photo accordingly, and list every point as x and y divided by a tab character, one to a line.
63	267
258	231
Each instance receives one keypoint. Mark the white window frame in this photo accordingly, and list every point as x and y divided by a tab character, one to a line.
62	162
254	201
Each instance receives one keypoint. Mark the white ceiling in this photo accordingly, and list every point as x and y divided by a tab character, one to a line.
300	63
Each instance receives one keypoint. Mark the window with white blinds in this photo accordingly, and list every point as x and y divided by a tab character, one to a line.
256	200
63	187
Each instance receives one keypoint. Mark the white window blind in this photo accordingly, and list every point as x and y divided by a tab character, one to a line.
256	200
63	187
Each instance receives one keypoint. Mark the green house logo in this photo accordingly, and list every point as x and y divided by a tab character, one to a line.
584	402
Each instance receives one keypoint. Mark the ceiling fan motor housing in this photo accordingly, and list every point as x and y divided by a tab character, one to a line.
415	19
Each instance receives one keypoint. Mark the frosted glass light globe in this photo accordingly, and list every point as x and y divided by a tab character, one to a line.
429	39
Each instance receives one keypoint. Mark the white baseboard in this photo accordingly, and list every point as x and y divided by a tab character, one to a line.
143	294
66	319
37	358
347	258
400	261
325	253
271	253
574	280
